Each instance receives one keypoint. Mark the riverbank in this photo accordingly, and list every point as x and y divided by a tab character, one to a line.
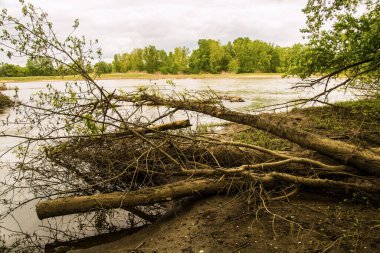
142	75
308	221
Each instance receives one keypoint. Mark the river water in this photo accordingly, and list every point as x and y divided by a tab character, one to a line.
255	92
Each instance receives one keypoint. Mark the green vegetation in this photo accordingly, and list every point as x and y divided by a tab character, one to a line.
243	55
262	139
352	121
8	70
40	66
344	41
103	67
356	121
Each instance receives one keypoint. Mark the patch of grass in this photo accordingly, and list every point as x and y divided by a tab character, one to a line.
328	121
369	109
354	121
357	122
262	139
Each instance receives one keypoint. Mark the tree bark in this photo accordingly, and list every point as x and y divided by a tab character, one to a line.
344	153
147	196
81	204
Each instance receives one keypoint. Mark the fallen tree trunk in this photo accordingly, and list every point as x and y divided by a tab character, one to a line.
147	196
343	152
71	205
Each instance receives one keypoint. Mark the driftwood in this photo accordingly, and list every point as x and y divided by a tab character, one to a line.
81	204
344	153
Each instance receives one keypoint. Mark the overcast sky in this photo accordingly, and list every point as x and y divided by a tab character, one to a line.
121	25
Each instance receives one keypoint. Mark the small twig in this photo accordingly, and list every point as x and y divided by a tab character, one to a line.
140	245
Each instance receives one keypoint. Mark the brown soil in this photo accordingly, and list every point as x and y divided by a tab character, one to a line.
307	223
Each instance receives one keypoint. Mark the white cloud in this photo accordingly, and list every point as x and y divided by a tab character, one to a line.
123	25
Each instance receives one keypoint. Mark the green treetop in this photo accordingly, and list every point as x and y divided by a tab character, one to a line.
344	41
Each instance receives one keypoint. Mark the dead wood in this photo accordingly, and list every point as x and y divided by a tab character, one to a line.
344	153
127	158
146	196
163	127
71	205
56	155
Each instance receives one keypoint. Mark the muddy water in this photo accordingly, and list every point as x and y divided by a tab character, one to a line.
255	92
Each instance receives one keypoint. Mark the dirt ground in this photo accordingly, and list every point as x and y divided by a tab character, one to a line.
308	222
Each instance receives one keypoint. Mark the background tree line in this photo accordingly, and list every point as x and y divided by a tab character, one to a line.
39	66
243	55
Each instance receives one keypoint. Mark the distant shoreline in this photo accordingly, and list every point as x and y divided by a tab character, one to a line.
142	75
